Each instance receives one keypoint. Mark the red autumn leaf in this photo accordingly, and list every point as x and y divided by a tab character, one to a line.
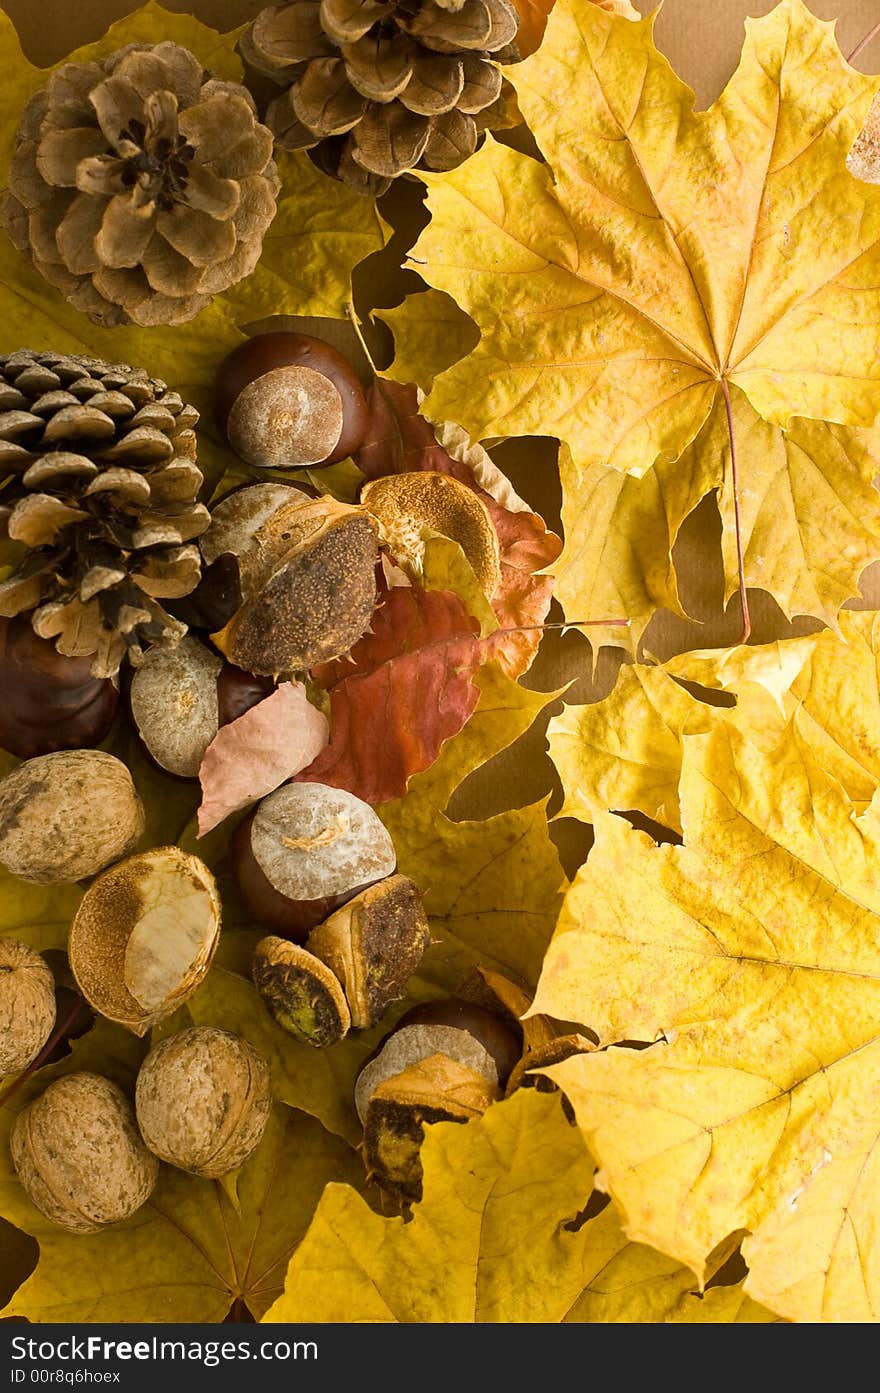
405	688
261	749
399	440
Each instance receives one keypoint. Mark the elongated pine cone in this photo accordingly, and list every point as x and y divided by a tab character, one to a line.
141	186
378	87
100	485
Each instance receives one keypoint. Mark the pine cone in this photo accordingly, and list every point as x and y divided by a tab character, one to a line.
378	87
101	485
141	186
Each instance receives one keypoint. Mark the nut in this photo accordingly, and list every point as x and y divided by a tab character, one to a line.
436	1089
50	702
304	851
307	576
67	815
27	1004
144	936
173	701
285	401
180	696
303	995
410	506
374	944
78	1153
471	1035
202	1100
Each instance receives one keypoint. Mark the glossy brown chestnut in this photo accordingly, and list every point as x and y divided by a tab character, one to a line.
238	691
492	1031
287	401
294	915
50	702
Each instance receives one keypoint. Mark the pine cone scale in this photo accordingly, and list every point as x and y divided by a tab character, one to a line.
367	83
325	100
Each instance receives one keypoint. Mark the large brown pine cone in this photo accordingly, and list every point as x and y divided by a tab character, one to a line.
141	186
378	87
101	486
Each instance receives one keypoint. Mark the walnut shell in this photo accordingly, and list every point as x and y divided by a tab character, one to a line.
78	1153
67	815
203	1100
144	936
27	1004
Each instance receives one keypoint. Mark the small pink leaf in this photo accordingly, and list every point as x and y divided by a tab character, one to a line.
257	752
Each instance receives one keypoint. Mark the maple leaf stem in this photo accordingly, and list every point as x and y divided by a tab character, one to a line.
734	480
863	43
352	316
58	1034
566	624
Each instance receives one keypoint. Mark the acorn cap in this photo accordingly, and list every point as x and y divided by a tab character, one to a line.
374	944
67	815
303	995
174	703
436	1089
309	587
406	505
312	841
202	1100
27	1004
144	936
79	1155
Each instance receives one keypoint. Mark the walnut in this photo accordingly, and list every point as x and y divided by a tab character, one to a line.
27	1004
78	1153
67	815
202	1100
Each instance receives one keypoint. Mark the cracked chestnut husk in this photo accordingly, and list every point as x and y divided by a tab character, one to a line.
180	696
444	1061
50	702
202	1100
306	577
144	936
288	401
352	967
303	852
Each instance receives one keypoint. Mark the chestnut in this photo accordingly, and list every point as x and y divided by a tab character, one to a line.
444	1061
180	696
352	967
473	1035
287	401
303	852
306	576
50	702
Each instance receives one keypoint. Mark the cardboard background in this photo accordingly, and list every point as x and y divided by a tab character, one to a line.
702	39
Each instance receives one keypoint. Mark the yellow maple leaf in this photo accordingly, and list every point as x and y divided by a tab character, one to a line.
656	272
624	752
493	1240
749	956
